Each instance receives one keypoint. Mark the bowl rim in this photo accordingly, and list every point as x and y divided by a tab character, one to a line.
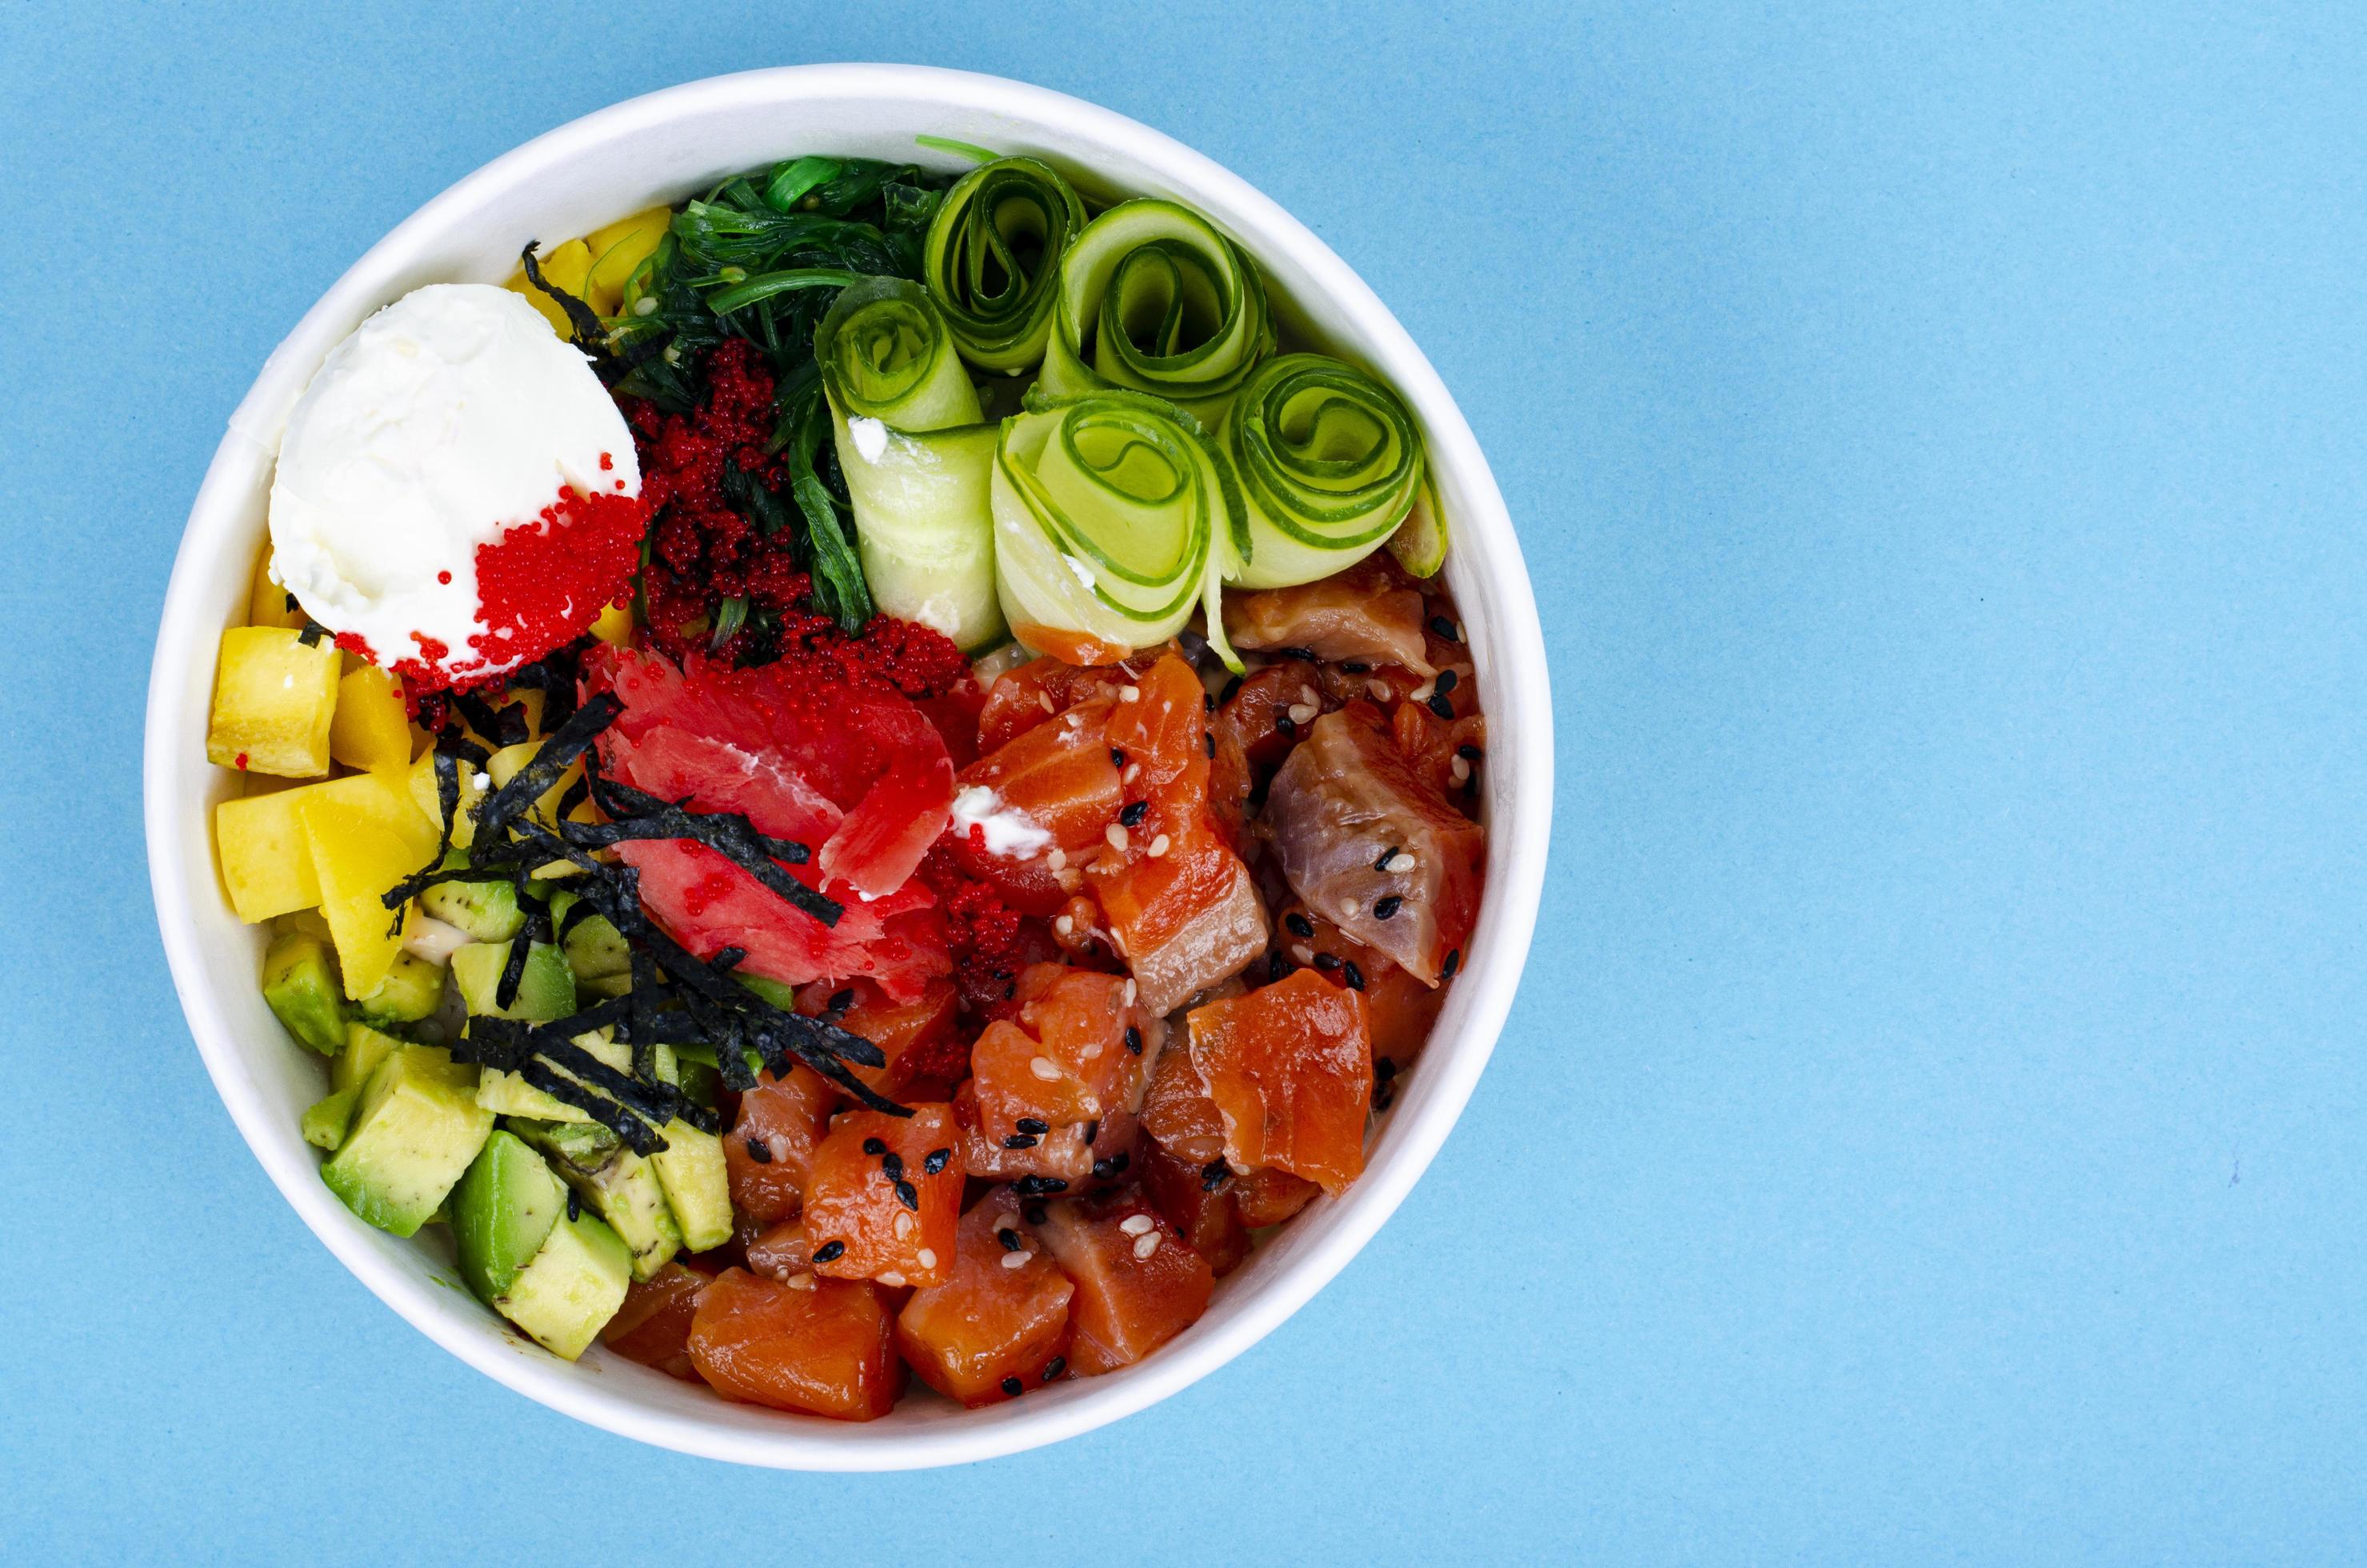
1521	807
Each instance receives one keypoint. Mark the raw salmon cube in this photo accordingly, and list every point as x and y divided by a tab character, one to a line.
1138	1284
884	1196
825	1347
996	1327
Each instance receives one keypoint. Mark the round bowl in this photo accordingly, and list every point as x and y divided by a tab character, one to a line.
661	148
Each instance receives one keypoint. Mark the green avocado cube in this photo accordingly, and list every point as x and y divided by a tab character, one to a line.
415	1129
545	987
301	983
411	990
698	1186
623	1187
365	1049
502	1213
601	962
574	1285
486	912
324	1125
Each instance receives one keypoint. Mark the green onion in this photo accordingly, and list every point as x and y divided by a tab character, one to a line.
917	457
1329	464
1107	510
1153	298
993	256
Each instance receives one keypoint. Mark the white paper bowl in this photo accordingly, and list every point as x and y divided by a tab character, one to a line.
661	148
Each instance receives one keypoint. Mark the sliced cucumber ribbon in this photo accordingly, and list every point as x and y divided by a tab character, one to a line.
993	259
1108	512
916	457
1153	298
1329	464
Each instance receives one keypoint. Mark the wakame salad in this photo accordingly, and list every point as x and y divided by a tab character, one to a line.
867	775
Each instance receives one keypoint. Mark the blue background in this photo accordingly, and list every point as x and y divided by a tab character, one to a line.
1931	1128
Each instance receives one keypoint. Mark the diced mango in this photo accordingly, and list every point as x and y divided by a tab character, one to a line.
424	794
370	729
274	698
266	866
266	603
504	765
614	626
565	269
617	250
365	834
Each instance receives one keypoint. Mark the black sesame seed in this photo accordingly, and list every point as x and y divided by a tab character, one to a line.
1214	1175
1132	816
1354	667
1037	1187
1446	681
574	1205
1032	1212
760	1152
1133	1040
1284	724
906	1196
1454	958
1444	627
1467	752
1385	1096
1232	690
1020	1141
1303	655
1327	962
1441	706
1298	924
1385	1069
1009	1238
1387	856
1013	1387
1386	908
874	1146
1055	1366
1032	1124
1353	975
1114	1164
1209	701
937	1162
840	1001
1093	1130
1118	758
1276	965
1208	742
829	1252
894	1165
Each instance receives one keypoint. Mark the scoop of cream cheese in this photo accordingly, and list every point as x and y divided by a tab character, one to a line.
447	418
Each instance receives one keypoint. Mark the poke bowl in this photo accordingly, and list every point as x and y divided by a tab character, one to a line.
444	1250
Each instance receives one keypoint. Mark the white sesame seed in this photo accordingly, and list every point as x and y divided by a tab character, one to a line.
1129	693
1117	836
904	1225
1400	863
1134	1224
1302	713
893	1281
1148	1244
481	780
1302	955
1016	1259
1006	1222
800	1281
1057	858
1307	694
1158	847
1380	689
1044	699
1065	925
928	1256
1133	771
1458	769
1044	1067
1092	1050
1421	693
1129	993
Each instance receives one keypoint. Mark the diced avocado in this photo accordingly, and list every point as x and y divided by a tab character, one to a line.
325	1123
580	1146
301	983
411	991
415	1129
365	1049
502	1213
625	1188
488	912
546	988
782	996
508	1093
690	1167
571	1288
597	954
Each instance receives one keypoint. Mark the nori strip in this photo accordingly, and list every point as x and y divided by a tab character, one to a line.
583	325
636	815
500	810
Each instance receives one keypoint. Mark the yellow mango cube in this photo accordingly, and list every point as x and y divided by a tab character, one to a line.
266	601
370	729
565	269
424	794
266	866
614	626
274	701
365	834
617	250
